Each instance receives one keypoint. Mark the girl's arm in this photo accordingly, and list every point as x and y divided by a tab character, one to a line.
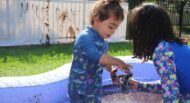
150	87
169	87
164	61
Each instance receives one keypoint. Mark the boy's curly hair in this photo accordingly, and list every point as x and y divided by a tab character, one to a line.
104	8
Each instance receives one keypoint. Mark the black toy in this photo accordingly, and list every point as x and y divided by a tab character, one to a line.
122	81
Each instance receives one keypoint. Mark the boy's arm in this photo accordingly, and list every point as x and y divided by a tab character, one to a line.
110	61
90	49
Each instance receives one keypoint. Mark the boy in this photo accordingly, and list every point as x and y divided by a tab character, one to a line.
90	53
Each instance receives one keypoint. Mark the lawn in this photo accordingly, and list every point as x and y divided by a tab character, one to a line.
30	60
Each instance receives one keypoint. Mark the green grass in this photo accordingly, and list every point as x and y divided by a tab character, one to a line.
120	49
30	60
188	43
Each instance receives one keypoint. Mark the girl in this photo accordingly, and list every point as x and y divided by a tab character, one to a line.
151	31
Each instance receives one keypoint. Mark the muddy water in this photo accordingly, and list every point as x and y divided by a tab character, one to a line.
135	97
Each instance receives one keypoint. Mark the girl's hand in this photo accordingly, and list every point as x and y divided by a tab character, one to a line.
133	84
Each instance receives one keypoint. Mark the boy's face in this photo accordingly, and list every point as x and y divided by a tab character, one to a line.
107	27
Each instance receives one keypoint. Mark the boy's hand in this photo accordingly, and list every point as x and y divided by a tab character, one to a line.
113	75
118	79
109	60
125	67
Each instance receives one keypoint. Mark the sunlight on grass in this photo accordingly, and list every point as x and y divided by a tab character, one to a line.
30	60
120	49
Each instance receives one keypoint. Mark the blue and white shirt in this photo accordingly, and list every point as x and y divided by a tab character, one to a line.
86	72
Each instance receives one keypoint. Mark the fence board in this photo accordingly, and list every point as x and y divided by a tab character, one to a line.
25	22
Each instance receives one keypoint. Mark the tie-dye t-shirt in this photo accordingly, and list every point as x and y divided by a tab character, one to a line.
85	78
172	64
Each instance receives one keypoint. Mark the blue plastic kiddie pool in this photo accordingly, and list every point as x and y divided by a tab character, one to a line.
51	87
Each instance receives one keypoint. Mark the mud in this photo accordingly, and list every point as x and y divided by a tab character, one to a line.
134	97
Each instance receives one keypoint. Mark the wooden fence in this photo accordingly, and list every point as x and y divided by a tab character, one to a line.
26	22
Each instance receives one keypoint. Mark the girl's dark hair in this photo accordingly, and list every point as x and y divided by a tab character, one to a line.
103	9
148	24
